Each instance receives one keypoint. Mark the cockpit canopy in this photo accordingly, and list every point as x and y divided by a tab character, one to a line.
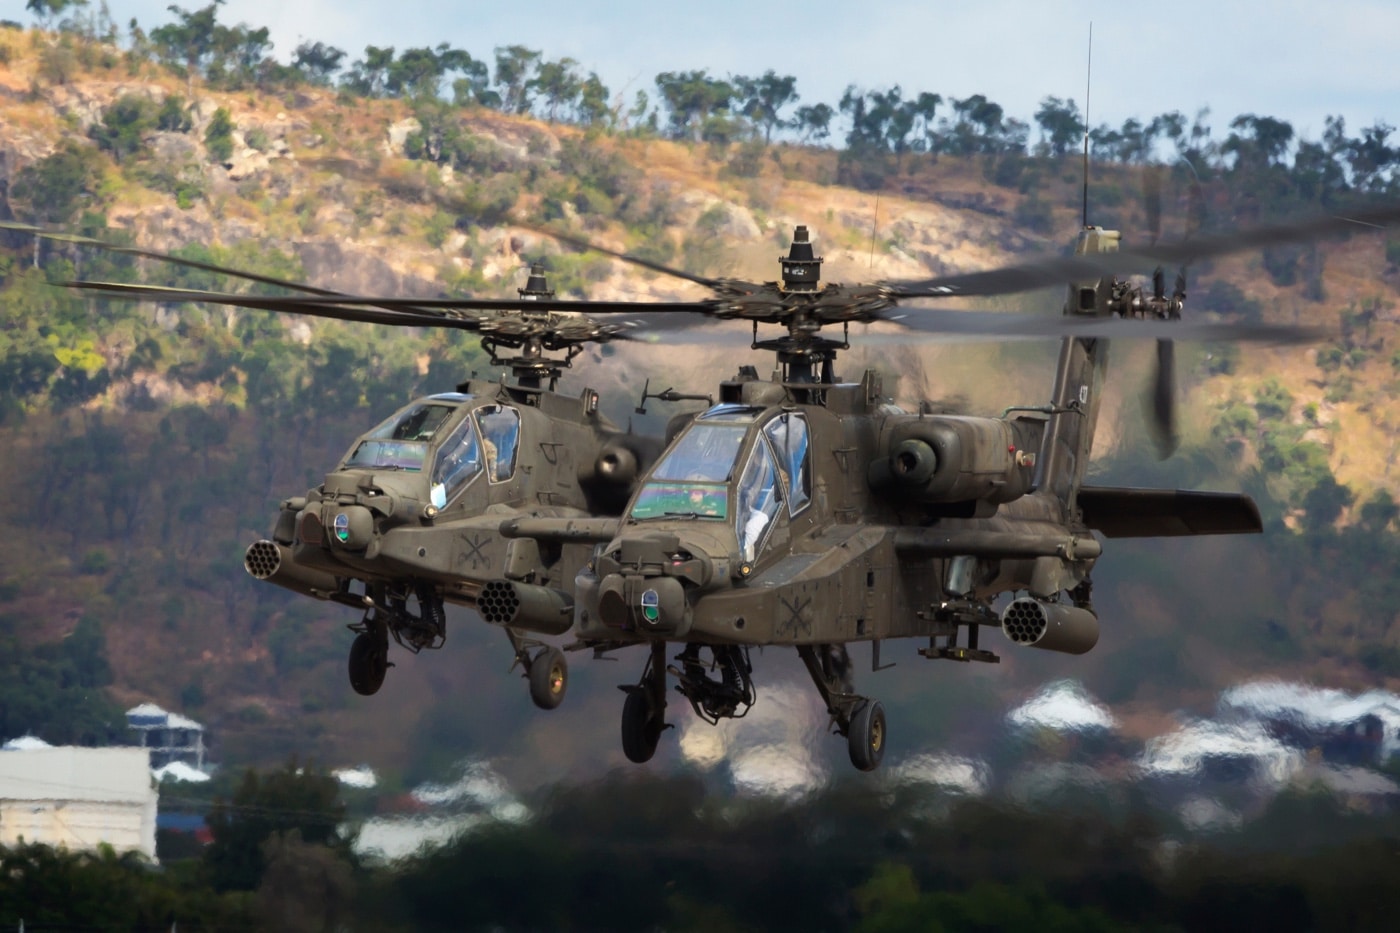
696	478
458	440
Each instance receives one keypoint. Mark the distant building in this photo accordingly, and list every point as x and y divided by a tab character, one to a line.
168	736
79	798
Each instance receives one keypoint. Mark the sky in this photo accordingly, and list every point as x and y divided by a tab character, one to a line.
1298	60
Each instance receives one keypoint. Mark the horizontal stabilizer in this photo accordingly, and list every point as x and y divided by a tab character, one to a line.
1124	512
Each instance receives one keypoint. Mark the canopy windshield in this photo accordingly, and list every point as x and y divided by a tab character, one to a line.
401	442
705	453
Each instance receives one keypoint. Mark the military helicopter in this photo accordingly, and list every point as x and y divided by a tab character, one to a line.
802	511
810	512
408	519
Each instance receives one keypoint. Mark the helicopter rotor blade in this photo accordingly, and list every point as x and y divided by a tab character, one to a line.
1161	401
291	305
580	243
1022	326
429	310
61	237
1056	271
618	320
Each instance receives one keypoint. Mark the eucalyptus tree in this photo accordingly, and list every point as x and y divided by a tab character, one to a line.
693	99
368	75
1061	127
317	61
813	121
558	85
763	97
515	67
190	41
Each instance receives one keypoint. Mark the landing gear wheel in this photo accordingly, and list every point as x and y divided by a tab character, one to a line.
549	678
369	661
641	728
866	736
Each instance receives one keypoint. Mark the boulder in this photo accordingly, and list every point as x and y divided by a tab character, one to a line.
398	133
247	163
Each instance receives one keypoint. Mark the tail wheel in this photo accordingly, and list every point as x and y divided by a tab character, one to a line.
641	728
369	661
549	678
866	736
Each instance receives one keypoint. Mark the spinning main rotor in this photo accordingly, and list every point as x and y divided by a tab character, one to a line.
538	322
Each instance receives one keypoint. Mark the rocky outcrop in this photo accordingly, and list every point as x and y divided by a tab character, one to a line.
359	269
85	102
731	221
396	137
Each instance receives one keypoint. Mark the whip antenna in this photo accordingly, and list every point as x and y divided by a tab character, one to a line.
1088	80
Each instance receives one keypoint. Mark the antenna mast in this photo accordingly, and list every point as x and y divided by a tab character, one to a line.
1088	81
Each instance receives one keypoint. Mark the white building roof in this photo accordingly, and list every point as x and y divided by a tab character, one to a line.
109	775
179	771
151	716
25	743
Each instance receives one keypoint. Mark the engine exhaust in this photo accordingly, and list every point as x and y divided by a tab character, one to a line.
1052	626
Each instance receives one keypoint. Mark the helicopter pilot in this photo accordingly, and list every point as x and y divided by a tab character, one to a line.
703	503
489	447
758	500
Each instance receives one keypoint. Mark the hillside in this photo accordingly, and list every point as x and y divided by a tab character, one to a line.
150	445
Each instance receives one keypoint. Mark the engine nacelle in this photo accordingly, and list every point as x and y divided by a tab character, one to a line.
952	458
1052	626
612	476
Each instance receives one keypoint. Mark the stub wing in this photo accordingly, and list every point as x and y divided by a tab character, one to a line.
561	530
1127	512
993	545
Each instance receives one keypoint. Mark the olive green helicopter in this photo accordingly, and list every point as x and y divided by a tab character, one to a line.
808	511
408	520
801	510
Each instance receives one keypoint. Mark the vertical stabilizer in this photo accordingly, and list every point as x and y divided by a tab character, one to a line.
1069	438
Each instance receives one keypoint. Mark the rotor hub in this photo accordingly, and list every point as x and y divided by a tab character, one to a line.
802	268
536	285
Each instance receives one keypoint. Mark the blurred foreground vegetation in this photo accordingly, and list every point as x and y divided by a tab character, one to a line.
637	852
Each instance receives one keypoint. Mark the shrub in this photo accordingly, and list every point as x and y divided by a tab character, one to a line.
53	189
747	160
1227	298
173	116
57	63
124	126
1034	214
218	138
1273	401
1281	262
95	562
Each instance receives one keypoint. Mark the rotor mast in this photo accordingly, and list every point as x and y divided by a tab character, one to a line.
530	366
804	354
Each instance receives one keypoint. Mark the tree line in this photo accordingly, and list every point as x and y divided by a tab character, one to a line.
645	853
703	107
